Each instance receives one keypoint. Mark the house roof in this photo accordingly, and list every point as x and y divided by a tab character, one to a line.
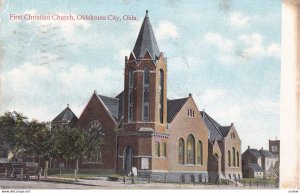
225	130
254	152
146	41
112	104
213	127
266	153
174	107
66	115
121	103
255	167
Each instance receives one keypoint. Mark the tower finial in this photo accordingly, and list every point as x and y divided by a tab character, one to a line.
146	13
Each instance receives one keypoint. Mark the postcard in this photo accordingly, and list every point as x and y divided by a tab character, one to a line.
149	94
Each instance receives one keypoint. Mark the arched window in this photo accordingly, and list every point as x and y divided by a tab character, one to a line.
229	159
130	95
161	101
238	159
164	149
181	151
233	157
199	153
190	149
157	149
146	95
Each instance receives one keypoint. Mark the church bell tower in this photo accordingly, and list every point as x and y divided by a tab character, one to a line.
144	136
145	83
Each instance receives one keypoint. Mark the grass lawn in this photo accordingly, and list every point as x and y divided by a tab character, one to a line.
259	180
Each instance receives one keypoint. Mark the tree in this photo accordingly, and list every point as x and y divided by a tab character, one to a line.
38	140
68	142
12	125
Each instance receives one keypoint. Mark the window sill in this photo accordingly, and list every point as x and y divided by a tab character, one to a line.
161	157
190	165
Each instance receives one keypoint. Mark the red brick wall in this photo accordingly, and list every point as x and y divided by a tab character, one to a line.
96	111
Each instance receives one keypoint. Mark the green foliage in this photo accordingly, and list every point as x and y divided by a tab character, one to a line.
12	125
37	139
68	142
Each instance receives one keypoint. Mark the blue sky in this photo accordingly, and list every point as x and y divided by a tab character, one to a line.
225	52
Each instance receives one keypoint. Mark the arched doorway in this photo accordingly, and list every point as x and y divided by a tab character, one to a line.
128	159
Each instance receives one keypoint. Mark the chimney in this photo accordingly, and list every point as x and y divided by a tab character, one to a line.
68	105
262	148
248	146
190	94
231	124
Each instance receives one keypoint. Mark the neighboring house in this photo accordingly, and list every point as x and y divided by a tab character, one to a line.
143	129
65	118
268	163
224	147
255	171
251	156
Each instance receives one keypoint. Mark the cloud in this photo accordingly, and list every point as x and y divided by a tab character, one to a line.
166	30
219	41
41	92
244	47
252	45
238	20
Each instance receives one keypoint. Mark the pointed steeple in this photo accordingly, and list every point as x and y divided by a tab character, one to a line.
146	40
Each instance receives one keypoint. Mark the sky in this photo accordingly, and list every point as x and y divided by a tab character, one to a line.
225	52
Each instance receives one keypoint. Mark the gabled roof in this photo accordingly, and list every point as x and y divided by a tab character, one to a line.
254	152
146	41
266	153
66	116
213	127
173	107
121	104
255	167
224	130
112	104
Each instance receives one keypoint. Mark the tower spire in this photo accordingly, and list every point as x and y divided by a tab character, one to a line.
146	40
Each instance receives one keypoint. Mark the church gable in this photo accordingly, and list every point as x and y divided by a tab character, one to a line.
185	111
230	133
97	110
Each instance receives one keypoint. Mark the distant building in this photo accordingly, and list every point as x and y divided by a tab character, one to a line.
274	147
251	163
255	171
65	118
262	161
268	163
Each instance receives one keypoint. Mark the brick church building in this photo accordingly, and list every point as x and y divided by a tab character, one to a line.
142	128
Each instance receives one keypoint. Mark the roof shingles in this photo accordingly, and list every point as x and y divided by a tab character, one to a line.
66	116
146	41
173	107
112	104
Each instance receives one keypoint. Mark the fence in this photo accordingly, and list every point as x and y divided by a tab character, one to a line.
74	175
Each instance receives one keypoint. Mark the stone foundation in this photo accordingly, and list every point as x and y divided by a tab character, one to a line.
187	177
